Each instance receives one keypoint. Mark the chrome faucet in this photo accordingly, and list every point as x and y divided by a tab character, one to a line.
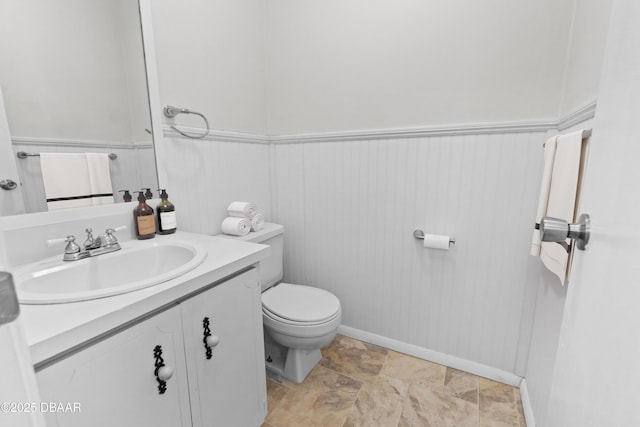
91	243
92	246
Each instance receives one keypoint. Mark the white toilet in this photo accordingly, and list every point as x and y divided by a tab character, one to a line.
298	320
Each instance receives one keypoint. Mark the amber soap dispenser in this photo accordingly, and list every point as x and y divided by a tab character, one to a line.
144	219
166	214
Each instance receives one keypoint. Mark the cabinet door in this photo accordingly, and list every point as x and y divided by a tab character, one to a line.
113	382
228	389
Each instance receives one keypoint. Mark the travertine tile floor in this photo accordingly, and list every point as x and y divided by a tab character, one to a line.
359	384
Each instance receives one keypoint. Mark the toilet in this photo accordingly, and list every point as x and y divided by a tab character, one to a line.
298	320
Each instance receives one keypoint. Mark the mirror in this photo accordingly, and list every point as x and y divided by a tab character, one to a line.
73	78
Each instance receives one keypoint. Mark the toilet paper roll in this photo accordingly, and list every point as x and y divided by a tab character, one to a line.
257	222
236	226
436	241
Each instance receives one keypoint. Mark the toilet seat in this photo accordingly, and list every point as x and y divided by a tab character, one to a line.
300	305
273	317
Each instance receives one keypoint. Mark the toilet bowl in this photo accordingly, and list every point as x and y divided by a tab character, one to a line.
301	320
298	320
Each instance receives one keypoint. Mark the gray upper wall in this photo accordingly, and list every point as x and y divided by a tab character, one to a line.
286	67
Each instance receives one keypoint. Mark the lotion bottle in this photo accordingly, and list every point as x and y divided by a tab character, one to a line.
166	213
144	219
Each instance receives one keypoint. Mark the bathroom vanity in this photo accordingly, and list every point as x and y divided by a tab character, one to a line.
202	382
185	352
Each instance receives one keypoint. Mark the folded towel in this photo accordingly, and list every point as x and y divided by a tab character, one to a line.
242	209
71	180
257	222
559	197
236	226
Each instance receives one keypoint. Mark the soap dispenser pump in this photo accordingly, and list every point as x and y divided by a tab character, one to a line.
126	197
144	219
166	214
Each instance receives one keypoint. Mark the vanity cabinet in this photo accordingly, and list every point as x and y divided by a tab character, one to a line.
211	342
227	386
113	381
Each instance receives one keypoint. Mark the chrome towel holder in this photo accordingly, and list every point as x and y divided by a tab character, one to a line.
171	112
24	155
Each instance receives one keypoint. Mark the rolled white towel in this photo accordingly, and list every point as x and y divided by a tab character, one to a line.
236	226
242	210
257	222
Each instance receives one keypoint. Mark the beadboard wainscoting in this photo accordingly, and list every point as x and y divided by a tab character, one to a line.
350	202
205	175
350	208
130	170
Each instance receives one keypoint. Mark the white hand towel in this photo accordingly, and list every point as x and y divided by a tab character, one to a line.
100	179
236	226
257	222
242	209
68	183
543	200
562	190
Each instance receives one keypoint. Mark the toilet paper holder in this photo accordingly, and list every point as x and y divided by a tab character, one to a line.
419	234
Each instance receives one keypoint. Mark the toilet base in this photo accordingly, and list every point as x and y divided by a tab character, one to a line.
293	364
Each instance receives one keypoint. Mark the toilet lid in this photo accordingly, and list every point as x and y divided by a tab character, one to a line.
300	303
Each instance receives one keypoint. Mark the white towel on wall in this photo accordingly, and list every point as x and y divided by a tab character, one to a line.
565	157
70	180
543	200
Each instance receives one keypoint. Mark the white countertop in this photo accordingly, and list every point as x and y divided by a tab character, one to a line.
55	328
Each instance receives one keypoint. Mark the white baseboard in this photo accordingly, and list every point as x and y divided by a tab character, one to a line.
526	404
435	357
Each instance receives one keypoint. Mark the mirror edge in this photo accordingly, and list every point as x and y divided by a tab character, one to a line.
153	90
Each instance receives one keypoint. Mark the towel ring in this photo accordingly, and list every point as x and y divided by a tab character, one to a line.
172	112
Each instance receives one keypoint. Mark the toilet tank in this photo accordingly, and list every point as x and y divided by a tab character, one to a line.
271	268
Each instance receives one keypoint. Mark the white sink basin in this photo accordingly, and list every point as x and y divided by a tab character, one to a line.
137	265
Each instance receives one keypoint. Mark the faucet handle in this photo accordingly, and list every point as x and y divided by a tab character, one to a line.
54	242
109	238
72	247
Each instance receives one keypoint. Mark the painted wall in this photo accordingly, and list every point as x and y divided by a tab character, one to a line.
584	57
211	59
362	64
66	70
584	62
596	374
